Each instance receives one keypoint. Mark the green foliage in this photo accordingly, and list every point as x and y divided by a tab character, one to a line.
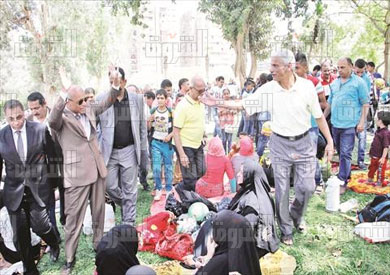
249	18
131	8
369	44
292	8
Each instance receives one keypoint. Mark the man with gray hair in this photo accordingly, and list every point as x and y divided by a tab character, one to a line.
291	100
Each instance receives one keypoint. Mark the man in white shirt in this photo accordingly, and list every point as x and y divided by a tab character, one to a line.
291	100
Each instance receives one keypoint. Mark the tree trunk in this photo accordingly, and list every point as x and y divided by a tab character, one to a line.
387	55
240	64
387	44
253	70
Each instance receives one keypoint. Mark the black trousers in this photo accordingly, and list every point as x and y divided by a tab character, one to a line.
196	169
30	215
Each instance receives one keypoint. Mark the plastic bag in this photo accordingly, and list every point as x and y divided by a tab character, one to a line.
277	263
189	197
223	204
175	247
153	229
186	224
373	232
174	205
109	220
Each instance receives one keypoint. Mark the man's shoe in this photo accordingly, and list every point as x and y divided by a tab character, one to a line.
301	228
362	166
343	189
67	268
54	253
287	240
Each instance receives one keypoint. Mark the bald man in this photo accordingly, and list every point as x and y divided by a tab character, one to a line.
74	120
348	103
188	133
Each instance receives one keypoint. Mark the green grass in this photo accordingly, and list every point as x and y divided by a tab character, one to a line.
85	255
328	247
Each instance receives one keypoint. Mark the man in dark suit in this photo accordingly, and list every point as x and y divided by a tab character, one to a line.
40	113
23	147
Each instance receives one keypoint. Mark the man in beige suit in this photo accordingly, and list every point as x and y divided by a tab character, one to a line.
74	120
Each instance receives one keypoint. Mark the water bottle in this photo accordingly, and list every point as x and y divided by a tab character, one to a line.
348	205
333	194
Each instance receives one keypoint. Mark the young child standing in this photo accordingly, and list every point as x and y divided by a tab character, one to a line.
226	122
379	149
160	123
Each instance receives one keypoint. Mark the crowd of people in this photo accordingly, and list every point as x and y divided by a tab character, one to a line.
94	148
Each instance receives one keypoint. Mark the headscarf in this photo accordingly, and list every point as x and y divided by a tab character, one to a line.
234	236
216	147
140	270
255	180
246	146
117	250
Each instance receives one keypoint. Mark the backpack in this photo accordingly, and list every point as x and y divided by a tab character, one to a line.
377	210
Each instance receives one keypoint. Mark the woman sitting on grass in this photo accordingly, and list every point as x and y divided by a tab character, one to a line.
230	250
211	184
254	203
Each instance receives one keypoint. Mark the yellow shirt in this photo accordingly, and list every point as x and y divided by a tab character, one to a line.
190	118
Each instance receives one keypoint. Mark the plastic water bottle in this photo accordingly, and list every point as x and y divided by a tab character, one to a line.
333	194
348	205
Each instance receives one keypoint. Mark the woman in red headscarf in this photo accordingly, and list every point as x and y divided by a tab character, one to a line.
211	184
245	151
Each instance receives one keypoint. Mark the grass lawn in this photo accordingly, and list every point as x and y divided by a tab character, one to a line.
328	247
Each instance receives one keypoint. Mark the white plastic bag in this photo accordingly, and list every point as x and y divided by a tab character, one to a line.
109	220
373	232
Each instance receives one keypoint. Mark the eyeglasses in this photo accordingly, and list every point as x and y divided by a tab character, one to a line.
199	91
85	99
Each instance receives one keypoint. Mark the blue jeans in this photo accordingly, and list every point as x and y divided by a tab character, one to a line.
344	140
362	138
162	153
226	141
249	126
314	132
217	129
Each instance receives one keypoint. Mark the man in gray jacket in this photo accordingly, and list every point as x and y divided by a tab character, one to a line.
123	143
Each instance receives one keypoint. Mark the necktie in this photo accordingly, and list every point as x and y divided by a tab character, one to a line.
20	147
78	116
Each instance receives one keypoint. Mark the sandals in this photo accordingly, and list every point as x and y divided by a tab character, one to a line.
287	240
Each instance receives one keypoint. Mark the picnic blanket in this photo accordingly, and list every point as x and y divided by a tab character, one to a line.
359	184
335	166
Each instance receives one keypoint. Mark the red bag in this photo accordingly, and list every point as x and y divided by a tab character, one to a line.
175	247
153	228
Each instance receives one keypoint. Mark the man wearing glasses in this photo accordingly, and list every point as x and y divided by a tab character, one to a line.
188	133
74	121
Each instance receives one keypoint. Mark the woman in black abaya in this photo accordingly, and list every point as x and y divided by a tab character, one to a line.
254	203
117	250
235	247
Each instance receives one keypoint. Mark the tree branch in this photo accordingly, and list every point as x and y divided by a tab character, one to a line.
379	4
375	22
